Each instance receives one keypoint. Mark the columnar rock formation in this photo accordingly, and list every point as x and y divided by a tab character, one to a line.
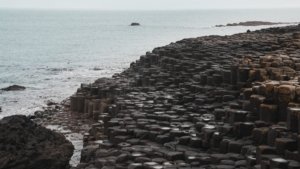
209	102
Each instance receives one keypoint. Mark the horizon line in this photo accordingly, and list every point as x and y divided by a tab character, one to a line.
99	9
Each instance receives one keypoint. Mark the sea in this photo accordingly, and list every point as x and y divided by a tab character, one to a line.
51	52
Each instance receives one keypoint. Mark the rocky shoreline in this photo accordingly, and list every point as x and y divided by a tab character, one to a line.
210	102
219	102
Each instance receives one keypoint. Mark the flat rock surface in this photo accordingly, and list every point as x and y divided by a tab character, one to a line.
26	145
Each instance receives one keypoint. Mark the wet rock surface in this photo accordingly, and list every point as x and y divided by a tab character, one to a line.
208	102
56	117
13	88
26	145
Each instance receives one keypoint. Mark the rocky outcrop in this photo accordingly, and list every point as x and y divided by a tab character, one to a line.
25	145
211	102
135	24
14	88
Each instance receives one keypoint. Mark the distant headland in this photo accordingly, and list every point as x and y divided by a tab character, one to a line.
255	23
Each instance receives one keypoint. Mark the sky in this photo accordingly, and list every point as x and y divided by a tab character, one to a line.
148	4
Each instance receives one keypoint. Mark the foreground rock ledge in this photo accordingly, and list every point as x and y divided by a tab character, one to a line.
25	145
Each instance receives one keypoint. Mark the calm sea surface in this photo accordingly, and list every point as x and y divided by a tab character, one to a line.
52	52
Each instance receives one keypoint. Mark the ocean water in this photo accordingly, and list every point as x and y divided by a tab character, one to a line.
51	52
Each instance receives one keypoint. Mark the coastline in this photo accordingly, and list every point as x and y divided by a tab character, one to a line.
48	77
213	101
199	102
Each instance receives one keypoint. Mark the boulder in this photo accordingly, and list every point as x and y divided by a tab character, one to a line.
25	144
14	88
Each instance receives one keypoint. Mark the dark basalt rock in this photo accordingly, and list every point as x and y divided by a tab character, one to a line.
207	102
25	145
51	103
135	24
14	88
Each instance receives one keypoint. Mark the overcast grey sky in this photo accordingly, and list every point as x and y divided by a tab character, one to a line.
149	4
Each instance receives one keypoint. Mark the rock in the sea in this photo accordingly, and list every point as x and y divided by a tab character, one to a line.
14	88
51	103
135	24
26	145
